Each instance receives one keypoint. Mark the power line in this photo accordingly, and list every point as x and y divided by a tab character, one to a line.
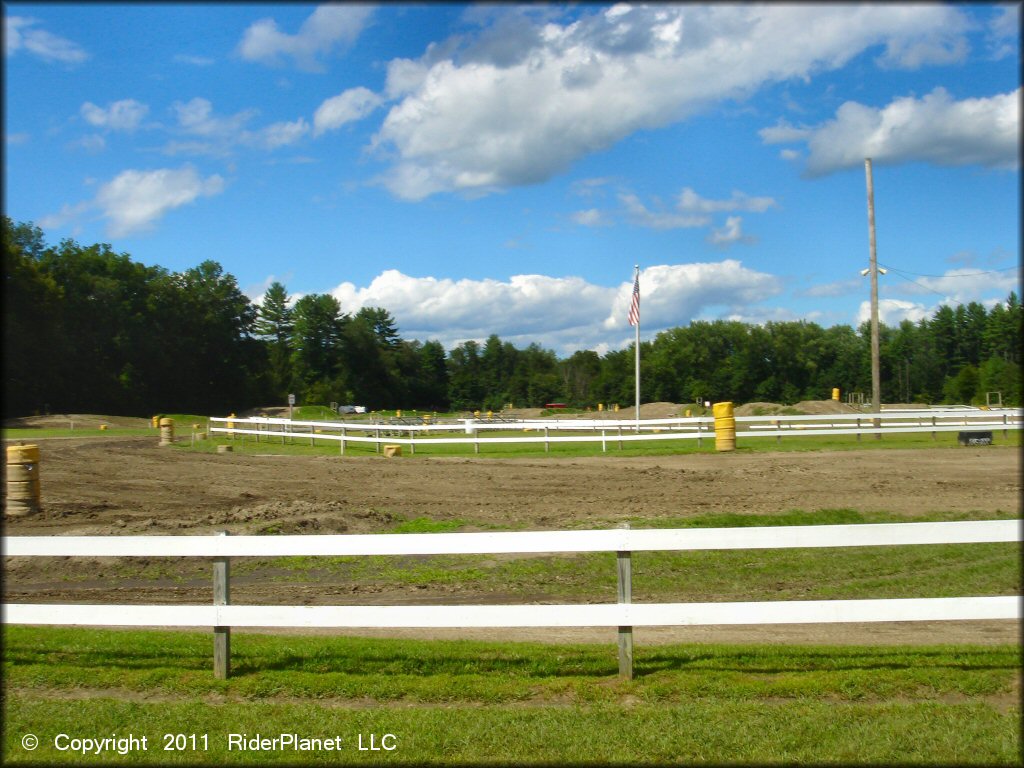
969	274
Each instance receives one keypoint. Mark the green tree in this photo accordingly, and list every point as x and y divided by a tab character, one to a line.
32	313
317	329
465	390
274	325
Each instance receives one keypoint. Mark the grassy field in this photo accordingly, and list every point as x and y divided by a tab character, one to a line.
456	702
713	575
316	445
465	702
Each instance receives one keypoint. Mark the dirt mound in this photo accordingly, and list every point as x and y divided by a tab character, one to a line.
78	420
758	409
814	407
803	408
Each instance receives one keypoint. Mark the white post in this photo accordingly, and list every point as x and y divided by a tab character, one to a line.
625	595
221	635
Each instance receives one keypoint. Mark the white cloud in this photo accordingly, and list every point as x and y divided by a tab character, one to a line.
196	117
934	129
589	218
740	201
124	115
640	215
1004	32
66	215
892	312
349	106
833	290
730	234
17	139
92	143
219	134
482	117
328	27
20	34
562	313
135	200
963	285
278	135
672	294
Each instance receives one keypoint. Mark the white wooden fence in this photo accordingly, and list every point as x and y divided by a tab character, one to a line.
547	431
624	614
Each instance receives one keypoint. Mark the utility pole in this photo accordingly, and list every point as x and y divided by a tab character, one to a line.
876	375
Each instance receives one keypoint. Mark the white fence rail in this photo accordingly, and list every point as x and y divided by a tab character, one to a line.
623	614
547	431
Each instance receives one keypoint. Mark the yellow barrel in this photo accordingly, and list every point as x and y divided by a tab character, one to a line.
23	490
166	431
156	422
835	394
725	427
600	407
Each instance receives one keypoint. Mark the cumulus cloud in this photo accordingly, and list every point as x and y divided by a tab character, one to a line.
21	34
219	134
196	117
479	117
133	201
672	294
730	234
349	106
892	312
327	28
124	115
693	210
935	129
278	134
565	313
1004	32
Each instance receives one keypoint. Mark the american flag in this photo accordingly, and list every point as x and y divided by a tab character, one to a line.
634	308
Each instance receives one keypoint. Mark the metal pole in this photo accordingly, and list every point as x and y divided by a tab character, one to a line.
636	267
876	378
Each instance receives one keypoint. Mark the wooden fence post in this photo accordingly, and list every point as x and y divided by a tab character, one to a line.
624	568
221	635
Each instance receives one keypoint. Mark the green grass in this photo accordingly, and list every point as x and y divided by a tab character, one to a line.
513	703
795	574
302	444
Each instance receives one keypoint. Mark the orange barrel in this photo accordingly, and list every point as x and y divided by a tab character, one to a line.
22	480
725	427
166	431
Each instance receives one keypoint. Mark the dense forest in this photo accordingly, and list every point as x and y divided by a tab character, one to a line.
90	330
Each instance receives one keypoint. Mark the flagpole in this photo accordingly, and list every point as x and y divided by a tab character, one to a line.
636	282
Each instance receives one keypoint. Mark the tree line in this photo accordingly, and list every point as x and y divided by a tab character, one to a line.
90	330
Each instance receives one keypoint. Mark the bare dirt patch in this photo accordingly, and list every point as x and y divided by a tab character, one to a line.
117	485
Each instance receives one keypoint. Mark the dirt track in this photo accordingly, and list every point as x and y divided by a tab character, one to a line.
131	486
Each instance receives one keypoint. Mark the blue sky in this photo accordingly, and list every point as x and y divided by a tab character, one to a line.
500	168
